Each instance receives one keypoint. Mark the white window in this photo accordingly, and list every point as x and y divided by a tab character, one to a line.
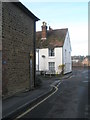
52	66
51	52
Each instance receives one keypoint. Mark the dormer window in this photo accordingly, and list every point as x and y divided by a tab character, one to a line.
51	52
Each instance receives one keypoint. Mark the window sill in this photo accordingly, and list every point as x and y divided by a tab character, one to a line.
51	57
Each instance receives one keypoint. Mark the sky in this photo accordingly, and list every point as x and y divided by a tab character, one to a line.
58	15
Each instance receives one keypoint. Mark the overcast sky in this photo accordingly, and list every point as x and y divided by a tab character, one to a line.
71	15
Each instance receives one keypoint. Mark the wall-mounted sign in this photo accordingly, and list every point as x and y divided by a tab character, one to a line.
4	62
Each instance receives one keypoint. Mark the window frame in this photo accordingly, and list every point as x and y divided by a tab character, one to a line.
51	52
51	66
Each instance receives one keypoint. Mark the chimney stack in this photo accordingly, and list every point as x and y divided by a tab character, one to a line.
44	31
50	28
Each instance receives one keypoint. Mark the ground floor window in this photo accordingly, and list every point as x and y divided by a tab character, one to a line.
52	66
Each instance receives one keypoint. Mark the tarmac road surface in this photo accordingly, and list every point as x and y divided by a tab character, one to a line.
69	101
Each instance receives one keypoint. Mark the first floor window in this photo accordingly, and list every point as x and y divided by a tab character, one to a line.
52	66
51	52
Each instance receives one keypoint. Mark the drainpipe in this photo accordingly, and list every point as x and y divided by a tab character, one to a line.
34	45
31	69
38	60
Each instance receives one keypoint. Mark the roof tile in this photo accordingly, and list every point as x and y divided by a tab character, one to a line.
55	38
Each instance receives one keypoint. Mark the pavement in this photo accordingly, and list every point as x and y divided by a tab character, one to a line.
16	103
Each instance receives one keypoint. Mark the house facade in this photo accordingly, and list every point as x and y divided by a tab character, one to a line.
77	61
86	61
53	52
18	54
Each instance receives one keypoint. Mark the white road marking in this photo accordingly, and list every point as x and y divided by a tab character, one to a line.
56	87
71	76
85	81
86	71
58	84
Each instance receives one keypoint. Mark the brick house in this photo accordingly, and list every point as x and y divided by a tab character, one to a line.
86	61
77	61
0	51
18	54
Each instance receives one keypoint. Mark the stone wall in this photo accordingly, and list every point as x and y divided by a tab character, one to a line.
18	43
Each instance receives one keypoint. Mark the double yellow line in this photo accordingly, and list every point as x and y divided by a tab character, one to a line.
56	88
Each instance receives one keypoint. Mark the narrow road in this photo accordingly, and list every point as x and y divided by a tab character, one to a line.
70	100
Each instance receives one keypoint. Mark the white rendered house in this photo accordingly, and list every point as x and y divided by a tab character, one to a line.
53	50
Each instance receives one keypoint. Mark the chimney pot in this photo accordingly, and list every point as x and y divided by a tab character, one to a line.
44	31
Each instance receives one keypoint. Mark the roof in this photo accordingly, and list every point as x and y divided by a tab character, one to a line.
55	38
20	5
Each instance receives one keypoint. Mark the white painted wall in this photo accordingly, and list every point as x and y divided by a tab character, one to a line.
43	62
67	54
58	60
37	59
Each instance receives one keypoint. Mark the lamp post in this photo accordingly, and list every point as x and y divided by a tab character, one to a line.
43	56
38	59
30	83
